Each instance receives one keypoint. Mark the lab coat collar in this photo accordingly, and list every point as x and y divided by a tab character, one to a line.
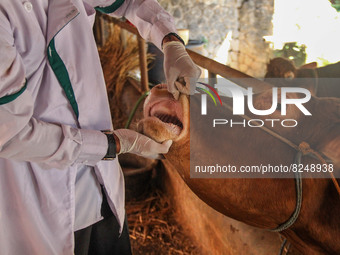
60	12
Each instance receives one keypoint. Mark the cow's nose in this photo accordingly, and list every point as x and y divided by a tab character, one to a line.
161	86
160	91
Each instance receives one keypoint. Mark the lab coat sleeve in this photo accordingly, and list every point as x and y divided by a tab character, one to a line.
151	20
24	138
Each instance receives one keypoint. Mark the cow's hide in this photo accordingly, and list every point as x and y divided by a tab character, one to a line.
264	203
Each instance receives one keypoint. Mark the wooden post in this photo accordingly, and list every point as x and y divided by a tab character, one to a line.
97	29
212	78
101	22
143	64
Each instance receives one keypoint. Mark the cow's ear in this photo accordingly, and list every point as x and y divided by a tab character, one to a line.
332	150
311	65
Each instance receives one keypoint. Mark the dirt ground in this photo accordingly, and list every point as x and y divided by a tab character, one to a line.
152	219
153	227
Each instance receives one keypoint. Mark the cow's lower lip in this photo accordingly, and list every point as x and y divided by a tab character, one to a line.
163	119
169	113
172	128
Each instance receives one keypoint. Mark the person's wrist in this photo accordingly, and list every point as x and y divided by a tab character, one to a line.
113	147
172	37
117	143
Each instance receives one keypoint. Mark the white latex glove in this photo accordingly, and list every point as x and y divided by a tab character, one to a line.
136	143
178	64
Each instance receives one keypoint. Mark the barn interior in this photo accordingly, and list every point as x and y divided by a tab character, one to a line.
226	38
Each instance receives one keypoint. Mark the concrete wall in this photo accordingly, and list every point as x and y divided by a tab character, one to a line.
245	21
249	52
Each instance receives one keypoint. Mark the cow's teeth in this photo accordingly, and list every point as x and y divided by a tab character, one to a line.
166	118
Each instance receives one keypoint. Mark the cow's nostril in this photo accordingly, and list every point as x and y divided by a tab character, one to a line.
278	107
161	86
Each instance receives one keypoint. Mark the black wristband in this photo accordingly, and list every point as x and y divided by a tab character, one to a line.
111	149
177	36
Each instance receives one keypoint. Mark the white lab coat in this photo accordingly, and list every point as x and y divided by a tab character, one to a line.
42	141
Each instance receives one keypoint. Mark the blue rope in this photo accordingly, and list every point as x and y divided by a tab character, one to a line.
282	246
298	185
295	215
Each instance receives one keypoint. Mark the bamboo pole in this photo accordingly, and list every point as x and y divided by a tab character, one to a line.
229	73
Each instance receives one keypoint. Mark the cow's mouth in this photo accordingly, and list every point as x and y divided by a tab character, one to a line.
163	116
169	112
172	122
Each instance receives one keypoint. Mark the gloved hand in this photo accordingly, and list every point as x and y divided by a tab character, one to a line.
178	64
136	143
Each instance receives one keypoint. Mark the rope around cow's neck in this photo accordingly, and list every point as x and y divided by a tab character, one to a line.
298	185
297	175
302	150
304	147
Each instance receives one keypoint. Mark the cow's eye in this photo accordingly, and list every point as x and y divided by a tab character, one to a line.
278	107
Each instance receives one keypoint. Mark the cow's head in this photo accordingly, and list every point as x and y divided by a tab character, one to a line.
166	118
281	72
281	68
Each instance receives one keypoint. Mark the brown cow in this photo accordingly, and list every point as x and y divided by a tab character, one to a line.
263	203
322	82
281	68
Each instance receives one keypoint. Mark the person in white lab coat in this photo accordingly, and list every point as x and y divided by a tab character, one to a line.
57	193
